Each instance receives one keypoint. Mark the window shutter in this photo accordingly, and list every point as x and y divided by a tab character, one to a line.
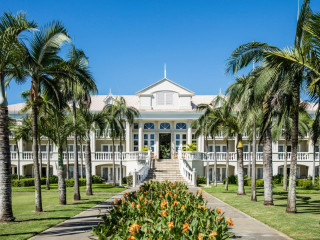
160	98
169	98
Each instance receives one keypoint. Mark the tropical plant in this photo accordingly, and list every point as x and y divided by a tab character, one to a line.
11	57
90	122
163	211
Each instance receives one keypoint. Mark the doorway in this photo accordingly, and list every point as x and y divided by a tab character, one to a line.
164	145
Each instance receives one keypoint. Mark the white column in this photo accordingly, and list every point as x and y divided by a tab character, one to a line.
156	139
140	137
274	150
128	139
93	140
189	133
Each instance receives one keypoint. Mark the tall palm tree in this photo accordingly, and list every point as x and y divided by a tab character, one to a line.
45	68
90	121
11	57
77	87
59	130
122	111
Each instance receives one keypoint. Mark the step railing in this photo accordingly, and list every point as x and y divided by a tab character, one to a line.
187	173
140	175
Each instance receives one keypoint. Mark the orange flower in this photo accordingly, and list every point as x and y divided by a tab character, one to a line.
131	237
115	202
139	205
148	231
199	206
205	208
140	197
174	203
170	225
122	199
132	204
219	210
200	236
125	194
133	228
163	204
230	222
161	196
185	227
145	200
183	207
213	234
164	213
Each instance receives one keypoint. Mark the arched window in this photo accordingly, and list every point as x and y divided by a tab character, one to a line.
148	126
164	125
181	126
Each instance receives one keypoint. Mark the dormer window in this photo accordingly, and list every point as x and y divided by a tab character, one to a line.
164	98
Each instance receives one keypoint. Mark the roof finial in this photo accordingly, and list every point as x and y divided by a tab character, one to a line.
220	92
110	92
165	71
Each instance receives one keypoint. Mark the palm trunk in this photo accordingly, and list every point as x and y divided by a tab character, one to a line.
6	214
81	157
291	204
48	166
37	183
249	161
18	167
207	147
314	164
241	190
226	187
285	166
254	156
267	167
76	195
61	179
67	160
120	183
40	156
88	168
113	164
215	162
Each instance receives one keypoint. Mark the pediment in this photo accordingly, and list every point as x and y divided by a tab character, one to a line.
165	85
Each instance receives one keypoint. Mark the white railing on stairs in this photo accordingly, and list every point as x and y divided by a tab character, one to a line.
187	173
140	175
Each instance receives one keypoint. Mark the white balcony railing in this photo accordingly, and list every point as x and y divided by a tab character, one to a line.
193	155
71	155
222	156
29	155
135	155
14	155
107	156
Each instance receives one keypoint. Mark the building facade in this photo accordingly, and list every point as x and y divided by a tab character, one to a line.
166	113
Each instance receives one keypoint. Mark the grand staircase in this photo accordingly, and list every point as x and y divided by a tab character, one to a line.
165	169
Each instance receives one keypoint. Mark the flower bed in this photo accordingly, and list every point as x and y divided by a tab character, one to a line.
163	211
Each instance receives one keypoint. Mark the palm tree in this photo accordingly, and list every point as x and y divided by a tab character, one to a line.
11	56
45	69
77	87
90	121
58	131
122	110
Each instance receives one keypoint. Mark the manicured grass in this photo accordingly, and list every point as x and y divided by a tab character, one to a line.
29	223
302	225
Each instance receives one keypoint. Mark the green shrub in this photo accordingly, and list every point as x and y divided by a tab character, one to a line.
259	182
27	182
53	179
201	180
232	180
299	182
15	183
278	179
96	179
124	180
307	184
130	181
70	182
82	182
14	176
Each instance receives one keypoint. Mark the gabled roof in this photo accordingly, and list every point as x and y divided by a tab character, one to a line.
160	81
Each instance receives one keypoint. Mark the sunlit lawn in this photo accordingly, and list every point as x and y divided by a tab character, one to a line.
29	223
302	225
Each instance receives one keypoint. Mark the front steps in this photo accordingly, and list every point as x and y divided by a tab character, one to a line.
165	169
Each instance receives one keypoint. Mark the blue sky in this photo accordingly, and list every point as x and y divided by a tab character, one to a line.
128	42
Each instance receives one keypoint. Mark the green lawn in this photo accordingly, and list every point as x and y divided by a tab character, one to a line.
302	225
29	223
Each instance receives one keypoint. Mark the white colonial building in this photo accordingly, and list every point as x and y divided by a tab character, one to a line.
167	111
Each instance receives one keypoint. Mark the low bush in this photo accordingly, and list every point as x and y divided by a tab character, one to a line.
124	180
201	180
27	182
96	179
231	180
163	211
129	180
277	179
15	176
259	183
53	179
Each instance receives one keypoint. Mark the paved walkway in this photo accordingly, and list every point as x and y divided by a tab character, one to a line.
79	227
245	227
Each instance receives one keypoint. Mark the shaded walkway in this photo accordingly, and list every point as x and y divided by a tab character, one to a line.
245	227
79	227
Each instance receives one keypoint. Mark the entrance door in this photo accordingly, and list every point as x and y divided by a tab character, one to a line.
164	145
